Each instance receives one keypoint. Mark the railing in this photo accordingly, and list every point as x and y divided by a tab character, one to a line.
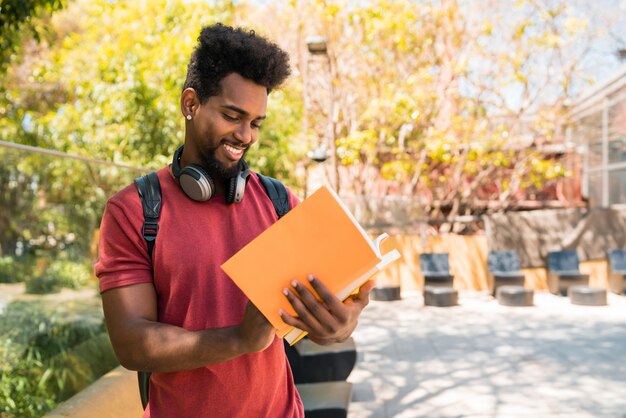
52	335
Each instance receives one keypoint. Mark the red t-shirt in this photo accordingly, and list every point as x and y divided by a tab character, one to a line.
193	292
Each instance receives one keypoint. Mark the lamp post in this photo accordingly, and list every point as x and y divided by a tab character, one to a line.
318	154
317	46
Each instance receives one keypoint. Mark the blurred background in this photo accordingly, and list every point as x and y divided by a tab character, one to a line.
429	118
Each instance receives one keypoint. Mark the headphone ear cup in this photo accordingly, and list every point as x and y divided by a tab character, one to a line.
236	187
232	189
196	183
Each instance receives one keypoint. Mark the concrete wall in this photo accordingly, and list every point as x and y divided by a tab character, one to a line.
116	394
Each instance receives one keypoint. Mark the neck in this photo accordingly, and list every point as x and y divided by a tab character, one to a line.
220	186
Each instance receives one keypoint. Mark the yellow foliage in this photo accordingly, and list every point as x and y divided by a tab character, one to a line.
406	76
487	27
573	25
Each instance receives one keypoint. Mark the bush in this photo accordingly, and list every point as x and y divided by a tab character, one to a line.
23	391
40	285
7	270
57	274
15	270
69	273
45	360
82	364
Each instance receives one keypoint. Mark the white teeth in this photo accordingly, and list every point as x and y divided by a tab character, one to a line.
233	150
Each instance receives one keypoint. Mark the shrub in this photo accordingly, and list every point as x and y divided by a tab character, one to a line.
69	273
43	284
82	364
15	270
45	359
7	270
23	391
53	275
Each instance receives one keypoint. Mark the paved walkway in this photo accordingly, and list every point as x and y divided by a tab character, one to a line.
481	359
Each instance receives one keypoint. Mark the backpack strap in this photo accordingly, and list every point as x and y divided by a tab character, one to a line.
149	191
143	378
277	194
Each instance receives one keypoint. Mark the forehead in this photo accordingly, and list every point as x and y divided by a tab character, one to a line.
243	93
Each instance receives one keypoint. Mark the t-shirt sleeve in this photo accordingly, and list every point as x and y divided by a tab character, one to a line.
293	199
122	253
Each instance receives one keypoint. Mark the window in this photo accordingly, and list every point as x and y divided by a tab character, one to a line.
600	130
617	133
589	131
594	190
617	186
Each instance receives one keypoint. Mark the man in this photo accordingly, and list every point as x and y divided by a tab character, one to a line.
210	351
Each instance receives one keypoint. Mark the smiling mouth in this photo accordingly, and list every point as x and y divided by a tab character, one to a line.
234	152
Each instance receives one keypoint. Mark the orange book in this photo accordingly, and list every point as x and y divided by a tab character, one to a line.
320	237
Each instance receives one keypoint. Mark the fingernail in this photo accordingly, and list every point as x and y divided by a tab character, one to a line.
286	292
311	277
281	312
294	284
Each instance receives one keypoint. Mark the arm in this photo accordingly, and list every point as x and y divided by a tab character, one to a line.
330	320
130	304
142	343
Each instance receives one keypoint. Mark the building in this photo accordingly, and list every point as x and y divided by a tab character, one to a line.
599	131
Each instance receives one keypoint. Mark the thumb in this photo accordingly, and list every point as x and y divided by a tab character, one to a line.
362	297
365	289
367	286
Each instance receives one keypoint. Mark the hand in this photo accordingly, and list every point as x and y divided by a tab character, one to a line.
255	332
330	320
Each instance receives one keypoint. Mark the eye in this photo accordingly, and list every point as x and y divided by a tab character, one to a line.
229	118
256	125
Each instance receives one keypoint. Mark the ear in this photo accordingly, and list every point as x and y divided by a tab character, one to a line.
189	102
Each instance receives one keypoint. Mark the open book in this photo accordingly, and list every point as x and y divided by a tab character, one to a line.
320	237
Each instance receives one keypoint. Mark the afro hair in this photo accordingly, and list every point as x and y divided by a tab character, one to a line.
223	50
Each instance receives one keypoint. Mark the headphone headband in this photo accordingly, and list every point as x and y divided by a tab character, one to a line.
176	161
198	184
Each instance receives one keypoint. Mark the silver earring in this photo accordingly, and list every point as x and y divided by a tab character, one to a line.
188	117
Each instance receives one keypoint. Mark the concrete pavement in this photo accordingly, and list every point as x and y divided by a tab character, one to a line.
481	359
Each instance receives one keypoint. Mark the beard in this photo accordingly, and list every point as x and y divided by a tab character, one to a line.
217	169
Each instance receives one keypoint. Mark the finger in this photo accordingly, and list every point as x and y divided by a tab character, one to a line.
333	303
293	321
314	335
304	315
313	305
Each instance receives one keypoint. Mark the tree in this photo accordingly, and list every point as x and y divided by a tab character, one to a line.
104	83
438	102
19	20
434	103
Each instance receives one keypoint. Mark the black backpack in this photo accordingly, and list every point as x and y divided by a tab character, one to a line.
149	191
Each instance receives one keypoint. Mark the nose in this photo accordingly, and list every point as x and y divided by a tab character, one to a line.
245	134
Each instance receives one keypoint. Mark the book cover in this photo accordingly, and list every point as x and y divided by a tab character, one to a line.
320	237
